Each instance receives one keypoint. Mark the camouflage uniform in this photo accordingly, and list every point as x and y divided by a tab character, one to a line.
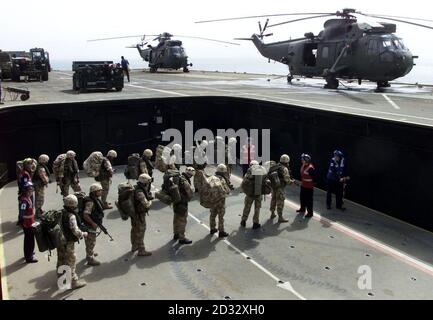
40	181
219	209
66	249
257	206
70	177
180	211
138	223
93	208
104	178
278	195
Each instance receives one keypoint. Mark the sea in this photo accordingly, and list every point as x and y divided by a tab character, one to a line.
422	73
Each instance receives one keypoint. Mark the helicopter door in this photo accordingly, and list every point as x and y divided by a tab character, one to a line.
309	59
326	57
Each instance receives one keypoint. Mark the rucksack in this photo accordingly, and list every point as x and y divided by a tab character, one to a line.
164	197
59	166
212	190
126	200
132	170
171	181
48	232
274	176
255	185
160	161
81	195
92	165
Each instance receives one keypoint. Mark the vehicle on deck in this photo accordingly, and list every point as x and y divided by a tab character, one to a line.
97	75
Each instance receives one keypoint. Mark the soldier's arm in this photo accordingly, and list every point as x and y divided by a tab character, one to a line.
86	214
287	177
74	227
141	198
108	167
143	167
44	176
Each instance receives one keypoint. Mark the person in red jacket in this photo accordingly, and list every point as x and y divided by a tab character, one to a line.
248	151
307	186
26	219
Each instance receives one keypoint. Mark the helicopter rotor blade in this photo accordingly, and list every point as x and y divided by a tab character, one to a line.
301	19
260	27
268	15
397	17
120	37
266	25
207	39
398	20
243	39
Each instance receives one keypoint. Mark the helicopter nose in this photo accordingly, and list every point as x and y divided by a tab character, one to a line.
404	63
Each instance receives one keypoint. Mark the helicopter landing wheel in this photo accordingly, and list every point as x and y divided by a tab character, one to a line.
152	70
289	79
383	84
185	69
331	83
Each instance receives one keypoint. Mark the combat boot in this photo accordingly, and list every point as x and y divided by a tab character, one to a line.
256	226
185	241
77	284
223	234
133	249
282	220
273	215
93	262
243	223
176	237
212	231
143	253
107	206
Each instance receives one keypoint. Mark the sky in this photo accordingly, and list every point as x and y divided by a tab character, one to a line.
62	27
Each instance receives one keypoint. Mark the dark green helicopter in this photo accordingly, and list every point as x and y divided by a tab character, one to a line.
345	49
167	54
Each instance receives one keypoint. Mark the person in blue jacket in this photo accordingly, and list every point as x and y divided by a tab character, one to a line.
336	179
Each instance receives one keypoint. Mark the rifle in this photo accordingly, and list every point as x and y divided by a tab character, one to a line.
104	230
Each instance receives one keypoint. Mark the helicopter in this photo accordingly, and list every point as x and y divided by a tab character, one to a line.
167	54
345	49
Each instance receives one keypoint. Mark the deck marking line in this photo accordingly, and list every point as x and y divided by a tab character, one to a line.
394	105
158	90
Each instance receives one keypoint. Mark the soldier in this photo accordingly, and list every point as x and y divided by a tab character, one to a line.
221	147
278	196
105	174
71	234
231	155
199	162
146	165
41	178
256	197
138	223
219	209
93	214
180	209
70	176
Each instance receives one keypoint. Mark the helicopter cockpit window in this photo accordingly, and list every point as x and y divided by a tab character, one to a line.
399	44
325	52
387	44
310	54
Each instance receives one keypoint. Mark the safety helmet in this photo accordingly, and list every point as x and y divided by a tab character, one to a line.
70	154
306	157
338	153
144	178
285	158
112	154
204	144
232	140
219	139
254	163
221	168
95	187
70	201
190	171
177	147
43	158
148	153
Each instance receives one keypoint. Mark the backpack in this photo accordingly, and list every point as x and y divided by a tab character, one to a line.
126	200
212	190
160	163
132	169
164	197
256	185
274	176
59	166
92	165
171	181
48	232
81	195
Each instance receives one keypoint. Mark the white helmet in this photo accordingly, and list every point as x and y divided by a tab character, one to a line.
285	158
254	163
144	178
204	144
190	171
70	201
43	158
148	153
221	168
95	187
177	147
219	139
70	154
112	154
232	140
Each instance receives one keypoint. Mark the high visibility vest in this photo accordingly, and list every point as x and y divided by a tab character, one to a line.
248	153
306	179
